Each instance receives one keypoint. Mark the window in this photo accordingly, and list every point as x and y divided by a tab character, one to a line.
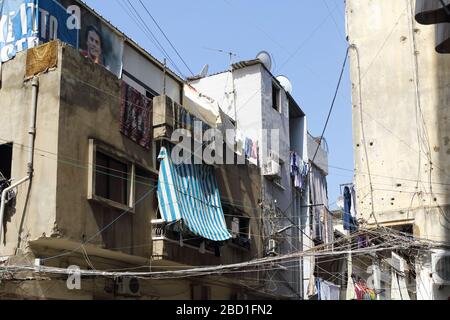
111	178
240	229
276	103
6	151
244	227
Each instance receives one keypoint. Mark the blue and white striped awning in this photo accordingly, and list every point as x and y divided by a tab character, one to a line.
189	193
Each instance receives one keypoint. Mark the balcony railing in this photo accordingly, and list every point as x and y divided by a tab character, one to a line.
169	115
169	244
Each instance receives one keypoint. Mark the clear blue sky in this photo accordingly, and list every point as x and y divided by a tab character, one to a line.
305	37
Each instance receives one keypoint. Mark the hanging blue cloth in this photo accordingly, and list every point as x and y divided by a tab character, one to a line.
347	209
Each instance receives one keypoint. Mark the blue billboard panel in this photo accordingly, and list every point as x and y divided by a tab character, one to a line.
57	22
19	24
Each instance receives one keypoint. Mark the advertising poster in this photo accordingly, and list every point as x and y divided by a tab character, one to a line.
18	27
95	39
57	22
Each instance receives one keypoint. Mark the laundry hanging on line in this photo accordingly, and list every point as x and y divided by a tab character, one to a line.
350	222
298	169
251	151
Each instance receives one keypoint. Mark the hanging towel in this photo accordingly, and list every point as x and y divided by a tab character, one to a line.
136	116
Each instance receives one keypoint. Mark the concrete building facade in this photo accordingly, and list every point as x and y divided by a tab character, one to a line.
401	129
258	104
58	218
86	192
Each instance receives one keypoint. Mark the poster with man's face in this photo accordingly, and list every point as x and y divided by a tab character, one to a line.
94	39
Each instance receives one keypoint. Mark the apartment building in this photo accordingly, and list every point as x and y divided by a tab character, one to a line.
400	127
85	119
264	112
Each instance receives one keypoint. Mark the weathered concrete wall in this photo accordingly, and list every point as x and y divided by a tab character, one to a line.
103	289
400	117
34	214
90	108
240	188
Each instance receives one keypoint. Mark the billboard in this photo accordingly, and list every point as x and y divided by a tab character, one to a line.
27	23
18	27
94	39
57	22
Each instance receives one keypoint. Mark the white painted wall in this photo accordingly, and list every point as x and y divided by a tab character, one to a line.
246	102
147	72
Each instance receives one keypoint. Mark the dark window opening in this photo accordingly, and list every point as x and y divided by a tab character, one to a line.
407	229
6	151
111	179
276	97
239	227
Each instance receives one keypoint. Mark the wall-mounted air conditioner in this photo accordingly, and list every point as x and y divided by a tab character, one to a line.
128	286
272	169
441	267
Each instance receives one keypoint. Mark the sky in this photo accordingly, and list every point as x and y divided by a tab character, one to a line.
306	39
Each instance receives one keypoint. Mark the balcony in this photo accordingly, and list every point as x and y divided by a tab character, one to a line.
169	116
175	246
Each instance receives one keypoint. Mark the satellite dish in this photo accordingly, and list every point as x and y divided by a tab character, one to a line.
265	58
204	71
340	202
285	83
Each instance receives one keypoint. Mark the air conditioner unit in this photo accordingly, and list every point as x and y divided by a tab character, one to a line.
128	286
272	169
441	267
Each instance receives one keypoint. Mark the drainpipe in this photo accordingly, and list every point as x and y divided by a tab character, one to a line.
31	138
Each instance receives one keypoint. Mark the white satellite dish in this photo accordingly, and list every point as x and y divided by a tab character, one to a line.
204	71
266	59
285	83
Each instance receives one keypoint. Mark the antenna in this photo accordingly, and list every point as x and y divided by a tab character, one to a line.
229	53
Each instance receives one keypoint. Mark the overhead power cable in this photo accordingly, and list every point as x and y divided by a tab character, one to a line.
332	104
165	36
155	39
